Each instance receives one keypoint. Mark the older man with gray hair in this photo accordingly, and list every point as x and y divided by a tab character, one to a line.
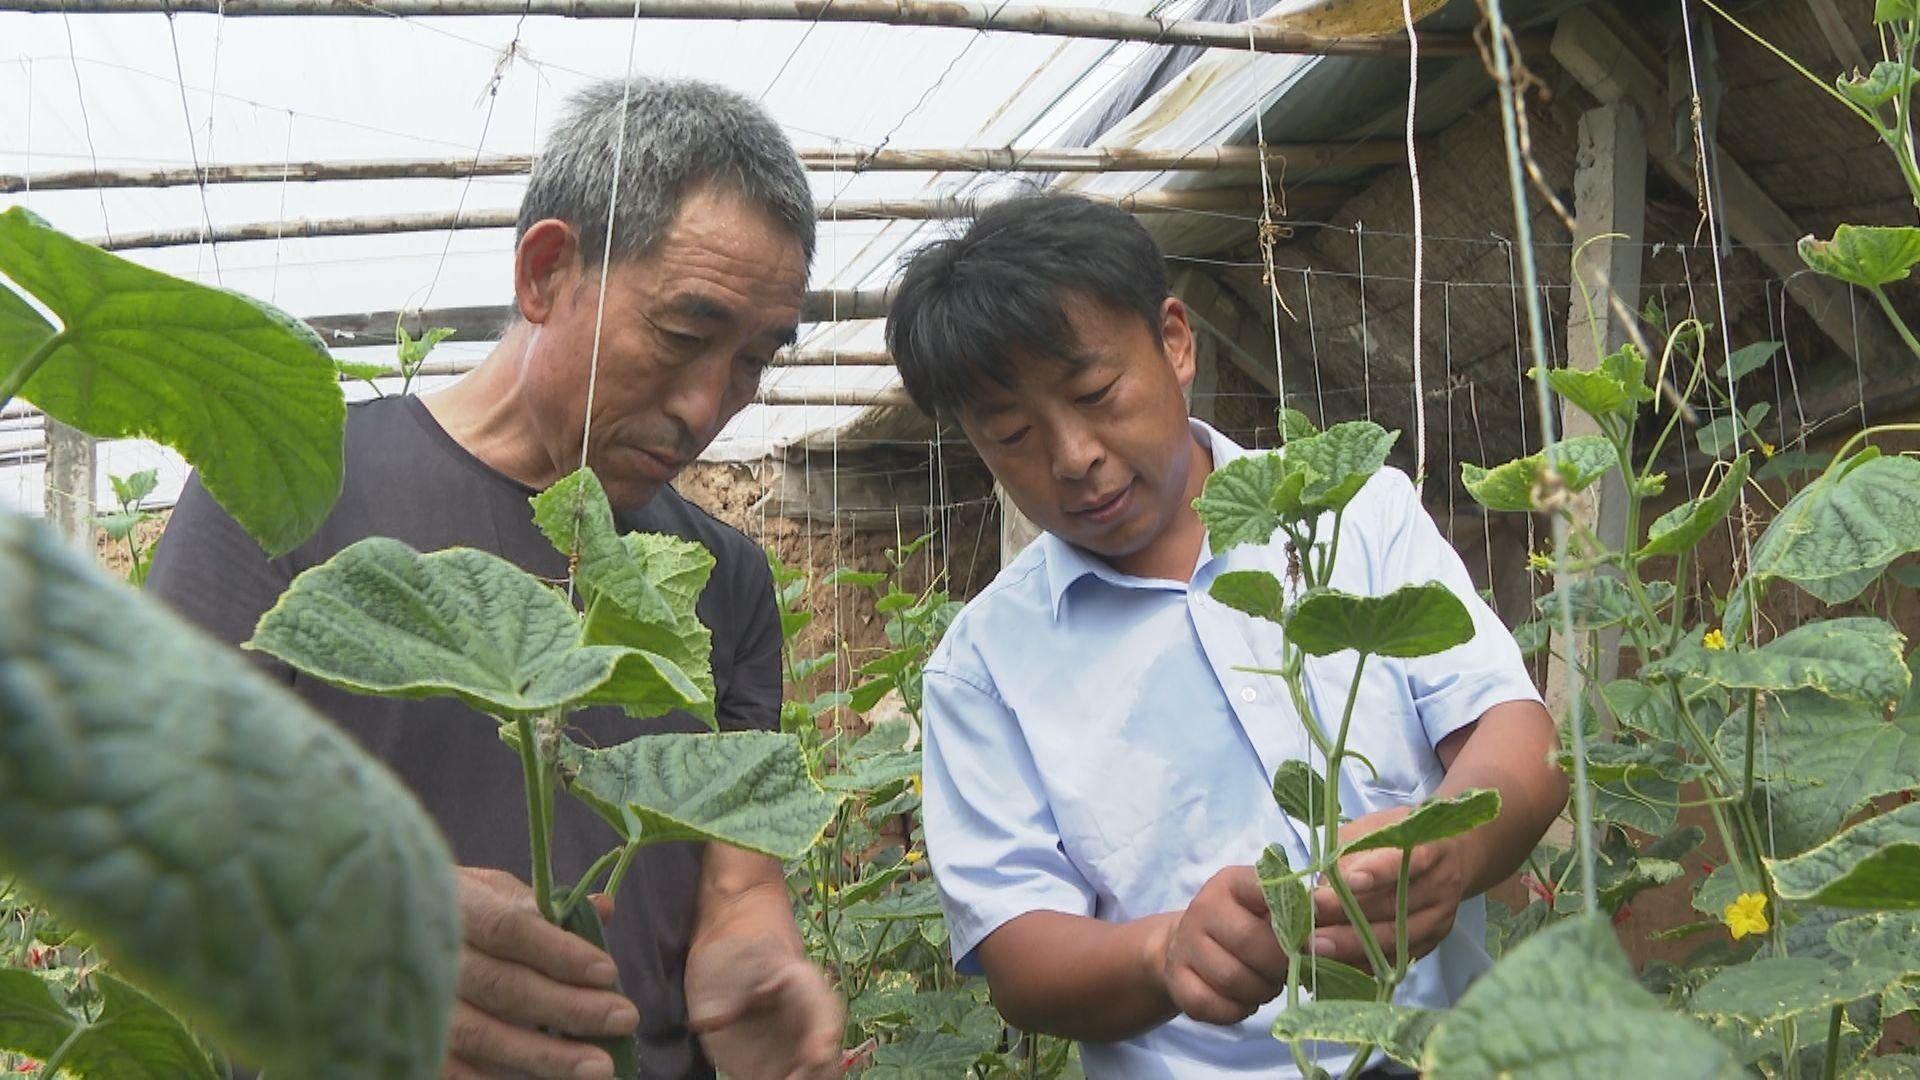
705	233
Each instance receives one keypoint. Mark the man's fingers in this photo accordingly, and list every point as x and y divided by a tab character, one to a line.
1230	976
1195	998
528	998
603	904
460	1070
478	1040
499	918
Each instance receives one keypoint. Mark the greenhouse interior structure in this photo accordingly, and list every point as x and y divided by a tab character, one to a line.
477	598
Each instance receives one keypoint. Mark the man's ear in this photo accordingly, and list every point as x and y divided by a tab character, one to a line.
1176	339
546	262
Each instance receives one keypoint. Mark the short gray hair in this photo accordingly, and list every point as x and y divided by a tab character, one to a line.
680	133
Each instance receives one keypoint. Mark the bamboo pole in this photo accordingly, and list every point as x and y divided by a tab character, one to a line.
966	14
1296	157
484	322
1212	200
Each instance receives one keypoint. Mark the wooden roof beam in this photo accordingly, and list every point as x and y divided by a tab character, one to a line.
1295	157
1611	69
965	14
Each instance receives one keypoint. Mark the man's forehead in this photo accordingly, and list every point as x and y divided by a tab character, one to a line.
1031	373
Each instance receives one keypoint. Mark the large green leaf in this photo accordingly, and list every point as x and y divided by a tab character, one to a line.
381	618
1634	763
1289	907
243	391
1822	759
1330	980
1615	388
1876	88
1870	256
1413	620
1875	864
1437	820
224	846
1723	433
1599	602
1564	1003
1776	987
1747	360
1235	505
1253	592
929	1055
1581	461
22	330
1840	531
132	1038
1300	791
1852	659
1680	528
747	789
640	590
1339	461
1397	1030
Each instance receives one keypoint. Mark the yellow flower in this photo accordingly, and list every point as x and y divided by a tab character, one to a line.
1540	562
917	791
1767	449
1714	641
1747	915
914	857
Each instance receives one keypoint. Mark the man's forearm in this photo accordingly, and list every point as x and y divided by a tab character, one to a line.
1080	978
744	894
1507	751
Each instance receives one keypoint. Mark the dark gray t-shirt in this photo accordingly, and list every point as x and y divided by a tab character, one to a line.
406	478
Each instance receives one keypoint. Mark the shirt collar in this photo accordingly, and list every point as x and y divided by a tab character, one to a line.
1067	564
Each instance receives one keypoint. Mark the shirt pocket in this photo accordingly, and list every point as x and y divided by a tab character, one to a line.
1400	767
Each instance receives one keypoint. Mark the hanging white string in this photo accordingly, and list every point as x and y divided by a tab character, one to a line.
1268	229
26	198
1419	245
286	168
1366	338
1313	347
86	125
193	149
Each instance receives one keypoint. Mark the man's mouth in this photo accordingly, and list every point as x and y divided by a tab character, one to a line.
1104	509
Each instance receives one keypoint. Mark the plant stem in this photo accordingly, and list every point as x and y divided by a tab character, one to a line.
1832	1068
1746	774
580	888
1400	960
1893	316
11	383
538	825
50	1069
634	844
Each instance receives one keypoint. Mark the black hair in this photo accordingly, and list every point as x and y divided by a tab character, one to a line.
976	306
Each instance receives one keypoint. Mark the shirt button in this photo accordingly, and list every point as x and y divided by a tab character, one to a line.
1247	694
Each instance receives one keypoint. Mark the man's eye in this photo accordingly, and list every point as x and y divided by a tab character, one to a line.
1097	396
1013	439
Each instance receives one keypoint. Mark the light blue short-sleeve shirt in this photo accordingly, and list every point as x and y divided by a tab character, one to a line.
1092	749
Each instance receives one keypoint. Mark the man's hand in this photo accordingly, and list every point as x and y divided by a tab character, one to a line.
1437	882
1221	958
763	1012
519	973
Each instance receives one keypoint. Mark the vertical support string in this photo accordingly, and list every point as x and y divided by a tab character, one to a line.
1419	245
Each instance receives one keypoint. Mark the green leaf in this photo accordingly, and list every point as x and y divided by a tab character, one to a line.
1632	763
363	372
858	579
22	329
1614	389
1641	707
641	589
875	773
1776	987
320	939
1823	759
1253	592
244	391
1410	621
1748	360
1680	528
1289	907
120	527
1599	602
1887	11
128	490
381	618
1398	1031
1581	461
1717	890
1565	1003
1532	636
1721	435
1889	1067
1330	980
411	352
1234	504
1888	939
912	903
1432	821
1788	463
1294	424
747	789
1300	792
1869	256
1852	659
1638	877
1839	531
928	1055
1339	461
132	1038
1875	864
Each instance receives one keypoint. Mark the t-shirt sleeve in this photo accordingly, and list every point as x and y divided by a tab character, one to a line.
210	572
1451	689
991	836
751	700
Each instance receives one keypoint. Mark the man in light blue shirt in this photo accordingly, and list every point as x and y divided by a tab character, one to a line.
1098	768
